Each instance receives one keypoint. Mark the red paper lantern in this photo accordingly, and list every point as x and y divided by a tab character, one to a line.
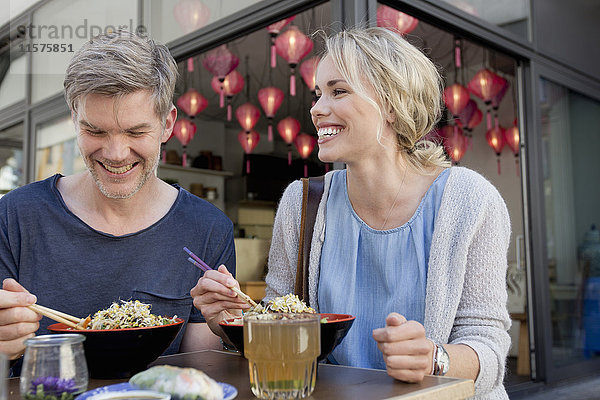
475	119
486	85
248	140
220	62
288	129
192	102
456	98
232	85
308	70
247	115
504	84
466	114
191	15
270	99
293	45
456	144
434	135
387	17
495	139
305	144
446	131
184	130
498	98
274	30
513	140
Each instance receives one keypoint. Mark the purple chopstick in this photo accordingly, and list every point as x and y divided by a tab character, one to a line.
197	264
194	259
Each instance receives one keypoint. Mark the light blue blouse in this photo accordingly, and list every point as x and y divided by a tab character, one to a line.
370	273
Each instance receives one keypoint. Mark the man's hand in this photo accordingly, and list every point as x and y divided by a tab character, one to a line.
407	353
214	298
17	322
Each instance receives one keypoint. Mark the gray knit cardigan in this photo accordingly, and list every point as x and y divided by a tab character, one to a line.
466	287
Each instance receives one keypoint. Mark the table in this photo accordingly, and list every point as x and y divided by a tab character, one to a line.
333	381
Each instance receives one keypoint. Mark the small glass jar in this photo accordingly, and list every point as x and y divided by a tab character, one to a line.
54	366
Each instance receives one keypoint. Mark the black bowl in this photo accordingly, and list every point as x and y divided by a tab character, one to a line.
332	332
120	353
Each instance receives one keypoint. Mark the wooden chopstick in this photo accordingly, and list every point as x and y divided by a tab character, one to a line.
56	316
60	314
243	296
194	259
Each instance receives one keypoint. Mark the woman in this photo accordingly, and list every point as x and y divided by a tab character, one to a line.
414	249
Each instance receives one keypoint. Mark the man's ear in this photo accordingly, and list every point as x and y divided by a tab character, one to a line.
169	124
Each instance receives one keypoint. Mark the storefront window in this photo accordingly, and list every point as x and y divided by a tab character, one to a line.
171	19
56	149
11	158
570	144
233	132
61	27
12	78
512	15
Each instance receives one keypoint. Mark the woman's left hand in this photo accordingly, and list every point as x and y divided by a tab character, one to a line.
407	353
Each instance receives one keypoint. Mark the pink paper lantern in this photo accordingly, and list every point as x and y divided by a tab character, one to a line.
274	30
498	98
288	129
293	45
308	70
486	85
220	62
184	130
456	145
446	131
466	114
247	115
456	98
475	119
305	144
191	15
248	141
192	102
270	99
231	85
513	140
389	18
495	139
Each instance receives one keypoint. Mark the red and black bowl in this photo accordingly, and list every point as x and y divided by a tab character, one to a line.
334	328
120	353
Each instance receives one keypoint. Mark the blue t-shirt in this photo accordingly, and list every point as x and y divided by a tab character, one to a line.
74	268
370	273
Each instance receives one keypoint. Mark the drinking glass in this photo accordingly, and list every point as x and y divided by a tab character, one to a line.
282	351
54	365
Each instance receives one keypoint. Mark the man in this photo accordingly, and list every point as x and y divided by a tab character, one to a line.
116	231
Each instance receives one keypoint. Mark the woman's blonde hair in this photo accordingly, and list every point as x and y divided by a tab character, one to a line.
406	84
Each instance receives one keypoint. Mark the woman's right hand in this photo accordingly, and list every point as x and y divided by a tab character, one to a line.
214	298
17	322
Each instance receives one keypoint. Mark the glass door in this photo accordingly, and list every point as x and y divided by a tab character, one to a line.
570	164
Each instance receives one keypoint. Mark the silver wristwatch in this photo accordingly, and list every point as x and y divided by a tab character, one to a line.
441	360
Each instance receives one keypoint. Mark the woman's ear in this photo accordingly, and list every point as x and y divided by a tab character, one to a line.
390	116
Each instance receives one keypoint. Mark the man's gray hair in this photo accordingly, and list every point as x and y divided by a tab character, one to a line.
121	63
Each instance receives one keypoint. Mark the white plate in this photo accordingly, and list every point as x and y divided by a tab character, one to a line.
229	391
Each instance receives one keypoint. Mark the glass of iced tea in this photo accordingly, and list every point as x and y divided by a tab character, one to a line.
282	351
